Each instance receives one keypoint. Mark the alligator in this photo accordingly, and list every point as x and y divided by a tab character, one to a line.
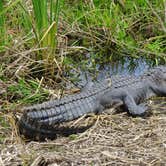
42	121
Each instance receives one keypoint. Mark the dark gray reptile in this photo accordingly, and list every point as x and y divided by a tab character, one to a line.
39	121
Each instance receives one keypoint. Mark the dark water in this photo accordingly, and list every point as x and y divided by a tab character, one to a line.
134	67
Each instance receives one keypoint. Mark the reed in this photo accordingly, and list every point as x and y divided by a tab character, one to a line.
2	27
46	17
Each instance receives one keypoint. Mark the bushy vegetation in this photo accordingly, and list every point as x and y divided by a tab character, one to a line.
46	39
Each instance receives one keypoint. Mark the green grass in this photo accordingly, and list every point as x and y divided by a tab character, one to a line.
121	28
63	32
108	27
2	29
27	92
44	22
41	24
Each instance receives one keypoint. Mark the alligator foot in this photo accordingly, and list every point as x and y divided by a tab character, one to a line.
139	110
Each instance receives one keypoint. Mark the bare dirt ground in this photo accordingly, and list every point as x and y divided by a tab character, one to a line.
114	139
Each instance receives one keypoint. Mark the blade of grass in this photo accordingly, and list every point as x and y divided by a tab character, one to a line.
2	27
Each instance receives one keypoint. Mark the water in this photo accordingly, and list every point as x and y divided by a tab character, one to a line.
135	68
129	67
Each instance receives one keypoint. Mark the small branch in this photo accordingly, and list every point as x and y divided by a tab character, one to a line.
1	161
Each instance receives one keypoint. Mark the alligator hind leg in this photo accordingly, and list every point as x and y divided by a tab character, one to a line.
132	107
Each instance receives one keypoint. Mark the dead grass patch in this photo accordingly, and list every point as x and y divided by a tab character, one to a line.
114	139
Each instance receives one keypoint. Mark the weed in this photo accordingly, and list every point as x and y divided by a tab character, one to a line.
27	92
45	30
73	137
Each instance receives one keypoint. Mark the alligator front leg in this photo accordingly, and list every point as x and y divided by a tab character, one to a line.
119	97
140	109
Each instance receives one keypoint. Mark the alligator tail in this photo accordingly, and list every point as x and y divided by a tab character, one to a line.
36	130
32	130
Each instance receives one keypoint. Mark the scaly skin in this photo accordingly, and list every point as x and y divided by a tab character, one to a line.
39	121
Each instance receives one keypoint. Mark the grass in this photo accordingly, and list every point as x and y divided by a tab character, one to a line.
50	39
41	24
44	22
2	30
27	91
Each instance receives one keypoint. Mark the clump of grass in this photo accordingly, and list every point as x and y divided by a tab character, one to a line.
37	28
46	29
27	92
44	22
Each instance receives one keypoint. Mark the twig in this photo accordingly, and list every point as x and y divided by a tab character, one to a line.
1	162
122	159
38	161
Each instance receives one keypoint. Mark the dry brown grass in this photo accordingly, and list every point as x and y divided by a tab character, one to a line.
114	139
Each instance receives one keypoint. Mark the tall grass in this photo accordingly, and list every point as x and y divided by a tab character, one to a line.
46	17
1	18
4	10
133	28
2	27
43	20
